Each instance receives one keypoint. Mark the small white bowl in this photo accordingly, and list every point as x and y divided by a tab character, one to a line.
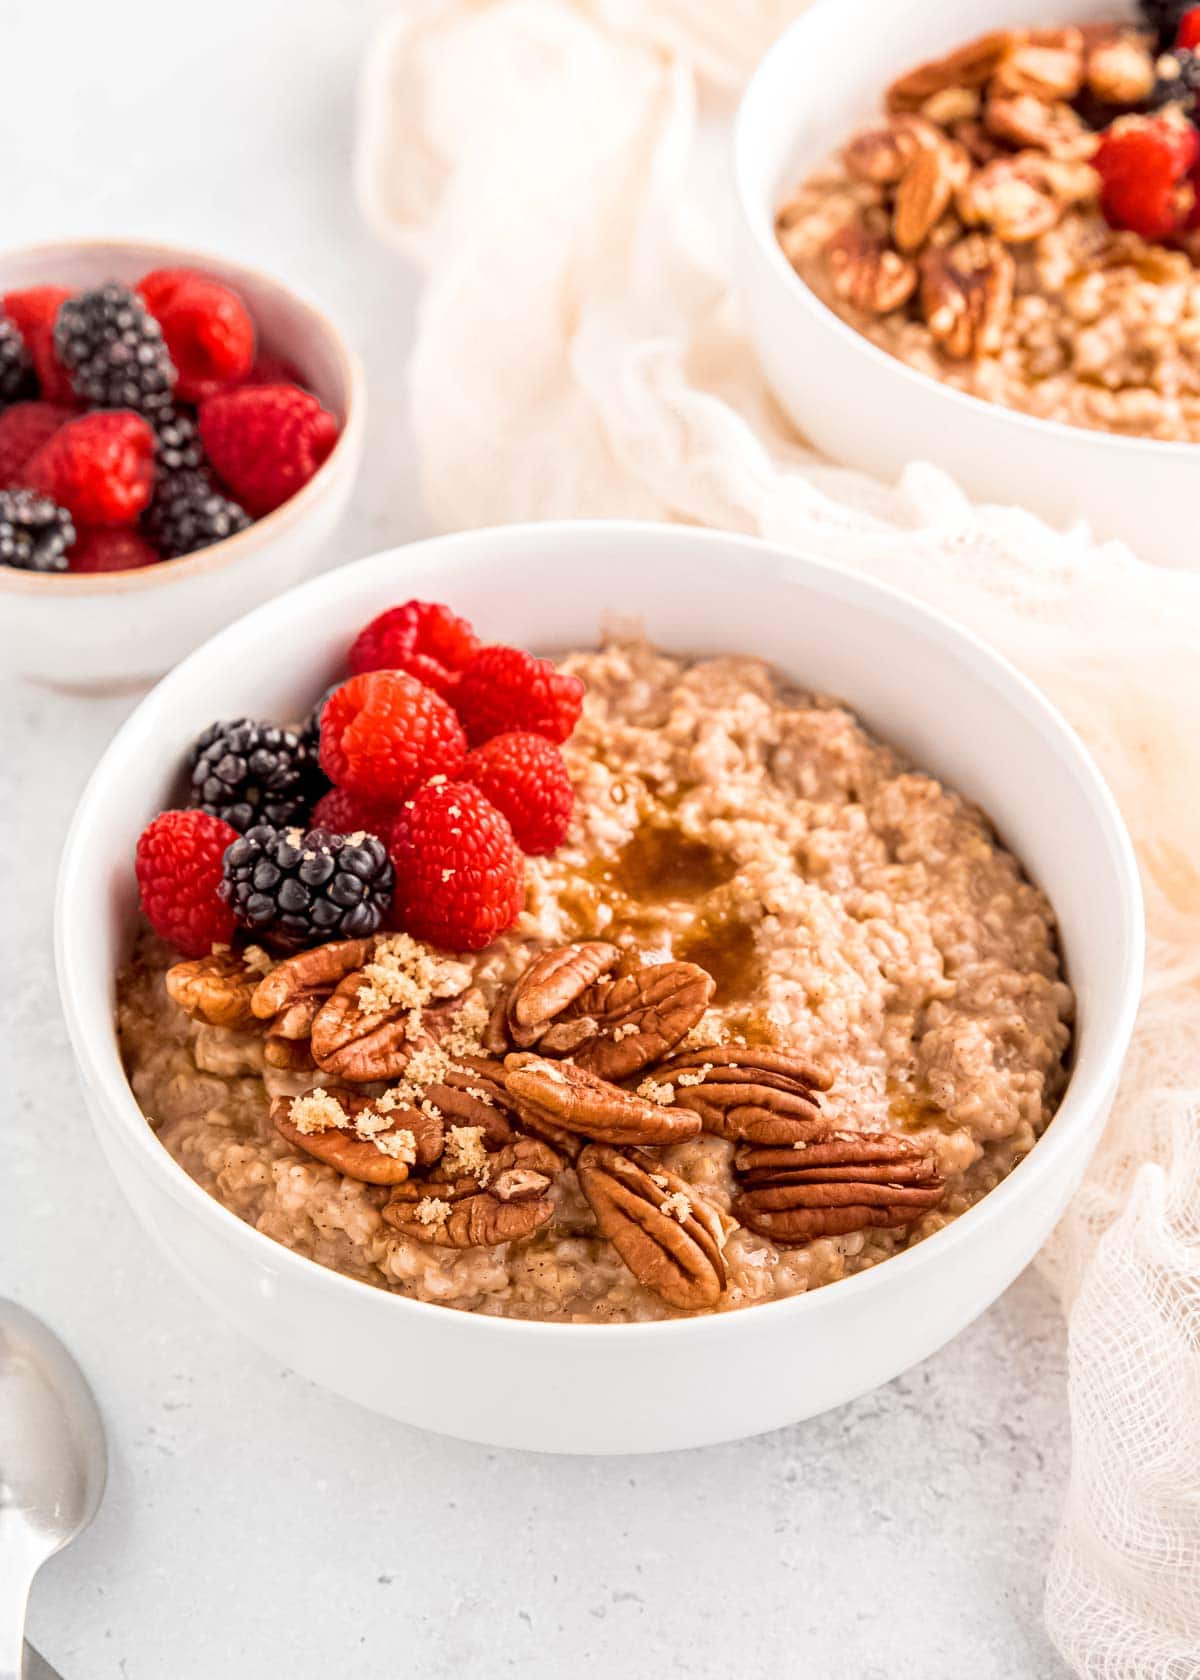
954	706
823	78
112	630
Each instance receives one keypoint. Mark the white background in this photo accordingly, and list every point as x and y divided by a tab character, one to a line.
255	1527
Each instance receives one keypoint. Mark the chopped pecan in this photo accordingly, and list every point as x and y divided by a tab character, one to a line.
1021	119
356	1156
550	984
881	154
976	140
828	1187
966	295
216	989
569	1097
462	1213
925	191
362	1045
637	1018
866	272
473	1094
748	1094
1049	65
1120	69
969	66
668	1235
1024	196
294	991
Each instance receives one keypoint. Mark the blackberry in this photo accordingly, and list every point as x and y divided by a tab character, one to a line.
1182	86
310	730
249	773
189	512
35	533
113	350
16	364
294	889
1164	17
177	446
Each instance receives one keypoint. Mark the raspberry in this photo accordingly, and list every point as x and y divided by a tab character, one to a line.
34	310
272	370
345	813
1143	164
100	467
117	549
525	777
24	428
178	867
266	441
383	733
503	689
424	639
207	328
1189	29
459	875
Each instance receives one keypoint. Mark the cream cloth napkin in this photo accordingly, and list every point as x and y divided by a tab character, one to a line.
579	353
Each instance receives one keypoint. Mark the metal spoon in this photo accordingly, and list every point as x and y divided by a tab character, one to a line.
53	1463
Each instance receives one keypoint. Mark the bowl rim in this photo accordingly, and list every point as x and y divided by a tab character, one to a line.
93	1040
262	531
758	222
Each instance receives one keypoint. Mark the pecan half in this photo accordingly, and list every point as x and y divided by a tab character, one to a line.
1120	70
970	66
290	1055
747	1094
1022	197
1049	65
551	983
570	1098
843	1182
360	1157
294	991
966	295
637	1018
925	191
459	1213
668	1235
361	1045
473	1094
216	989
865	271
881	154
1021	119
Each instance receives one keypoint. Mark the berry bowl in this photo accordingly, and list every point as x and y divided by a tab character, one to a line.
105	630
823	80
577	1387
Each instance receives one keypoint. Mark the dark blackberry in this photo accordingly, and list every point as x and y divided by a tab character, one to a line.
1163	17
35	533
294	889
177	446
16	364
310	730
247	773
189	512
1181	86
113	350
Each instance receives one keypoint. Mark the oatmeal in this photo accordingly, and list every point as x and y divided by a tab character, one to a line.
779	1007
1020	224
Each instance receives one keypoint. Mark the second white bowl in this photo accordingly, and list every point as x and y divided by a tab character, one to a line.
852	399
952	705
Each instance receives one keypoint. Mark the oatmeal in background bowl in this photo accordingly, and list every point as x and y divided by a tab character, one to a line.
750	1007
1021	223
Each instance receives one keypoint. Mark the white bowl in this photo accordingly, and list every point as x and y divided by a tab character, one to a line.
121	629
823	78
926	685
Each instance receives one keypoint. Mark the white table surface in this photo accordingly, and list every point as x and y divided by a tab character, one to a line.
256	1527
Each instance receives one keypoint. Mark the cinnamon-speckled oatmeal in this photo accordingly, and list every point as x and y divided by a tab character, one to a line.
970	231
780	1007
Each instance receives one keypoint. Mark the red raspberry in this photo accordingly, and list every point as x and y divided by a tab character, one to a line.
384	733
272	370
424	639
112	549
178	867
24	428
1189	30
525	777
1143	164
266	441
459	875
502	689
33	311
207	328
100	467
345	813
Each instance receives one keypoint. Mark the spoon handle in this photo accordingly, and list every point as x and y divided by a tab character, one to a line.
17	1569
